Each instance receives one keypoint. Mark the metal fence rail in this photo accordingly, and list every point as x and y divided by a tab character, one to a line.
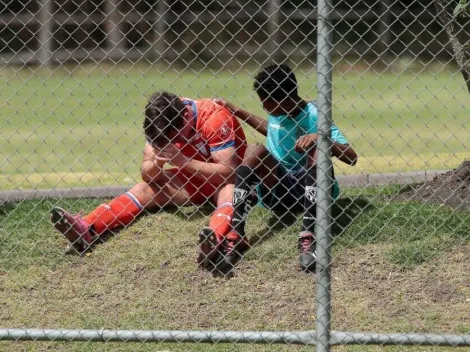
250	337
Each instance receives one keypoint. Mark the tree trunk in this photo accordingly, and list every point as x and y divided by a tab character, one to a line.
448	22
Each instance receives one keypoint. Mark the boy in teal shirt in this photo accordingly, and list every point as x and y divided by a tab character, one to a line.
284	170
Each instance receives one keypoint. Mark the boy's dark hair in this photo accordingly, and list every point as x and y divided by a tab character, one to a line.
163	115
276	82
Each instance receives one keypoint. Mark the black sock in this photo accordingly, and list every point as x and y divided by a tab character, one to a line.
310	196
245	182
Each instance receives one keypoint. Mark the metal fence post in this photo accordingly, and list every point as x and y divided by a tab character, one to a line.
274	45
324	180
384	30
113	24
158	45
45	32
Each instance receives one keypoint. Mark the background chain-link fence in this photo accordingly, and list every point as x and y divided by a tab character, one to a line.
76	76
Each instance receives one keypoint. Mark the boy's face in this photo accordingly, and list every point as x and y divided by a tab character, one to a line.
273	107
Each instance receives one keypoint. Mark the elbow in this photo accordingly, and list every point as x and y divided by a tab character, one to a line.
148	176
145	177
350	156
265	130
353	159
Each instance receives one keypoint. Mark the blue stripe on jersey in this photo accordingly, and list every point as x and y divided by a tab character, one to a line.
223	146
193	107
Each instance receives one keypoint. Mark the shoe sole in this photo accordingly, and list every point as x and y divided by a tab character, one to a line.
77	244
62	225
207	247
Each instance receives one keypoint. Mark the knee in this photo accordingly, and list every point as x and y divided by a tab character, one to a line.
254	155
146	192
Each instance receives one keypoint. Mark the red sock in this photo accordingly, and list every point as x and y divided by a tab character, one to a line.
220	221
121	211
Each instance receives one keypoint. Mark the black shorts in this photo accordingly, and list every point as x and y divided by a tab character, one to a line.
288	194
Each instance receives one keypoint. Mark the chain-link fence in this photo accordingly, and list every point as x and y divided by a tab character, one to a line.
212	182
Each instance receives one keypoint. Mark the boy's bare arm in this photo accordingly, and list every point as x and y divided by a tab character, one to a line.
345	153
220	171
258	123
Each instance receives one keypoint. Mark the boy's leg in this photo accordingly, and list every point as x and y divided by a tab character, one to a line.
285	198
211	237
255	169
81	232
307	244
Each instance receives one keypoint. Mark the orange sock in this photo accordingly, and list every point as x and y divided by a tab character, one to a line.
221	219
121	211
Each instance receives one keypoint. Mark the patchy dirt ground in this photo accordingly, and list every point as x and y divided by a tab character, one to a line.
146	278
371	295
451	189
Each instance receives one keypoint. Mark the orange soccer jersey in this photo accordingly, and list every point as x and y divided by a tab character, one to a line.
216	129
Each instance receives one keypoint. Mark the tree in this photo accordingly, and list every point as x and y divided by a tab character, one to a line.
451	24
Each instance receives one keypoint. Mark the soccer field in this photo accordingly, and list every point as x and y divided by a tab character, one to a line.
82	126
397	265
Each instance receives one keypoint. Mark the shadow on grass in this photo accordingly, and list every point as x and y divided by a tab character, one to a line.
344	212
185	213
190	212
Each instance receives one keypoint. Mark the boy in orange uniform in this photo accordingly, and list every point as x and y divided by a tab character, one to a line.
202	141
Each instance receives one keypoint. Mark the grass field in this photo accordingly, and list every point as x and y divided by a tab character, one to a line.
82	126
398	267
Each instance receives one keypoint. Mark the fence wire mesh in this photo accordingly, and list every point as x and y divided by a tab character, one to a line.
140	137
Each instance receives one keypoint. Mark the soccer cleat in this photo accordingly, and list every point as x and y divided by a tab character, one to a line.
308	252
233	248
74	228
209	247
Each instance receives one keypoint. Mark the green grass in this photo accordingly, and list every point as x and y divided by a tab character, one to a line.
414	230
82	126
396	267
417	232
